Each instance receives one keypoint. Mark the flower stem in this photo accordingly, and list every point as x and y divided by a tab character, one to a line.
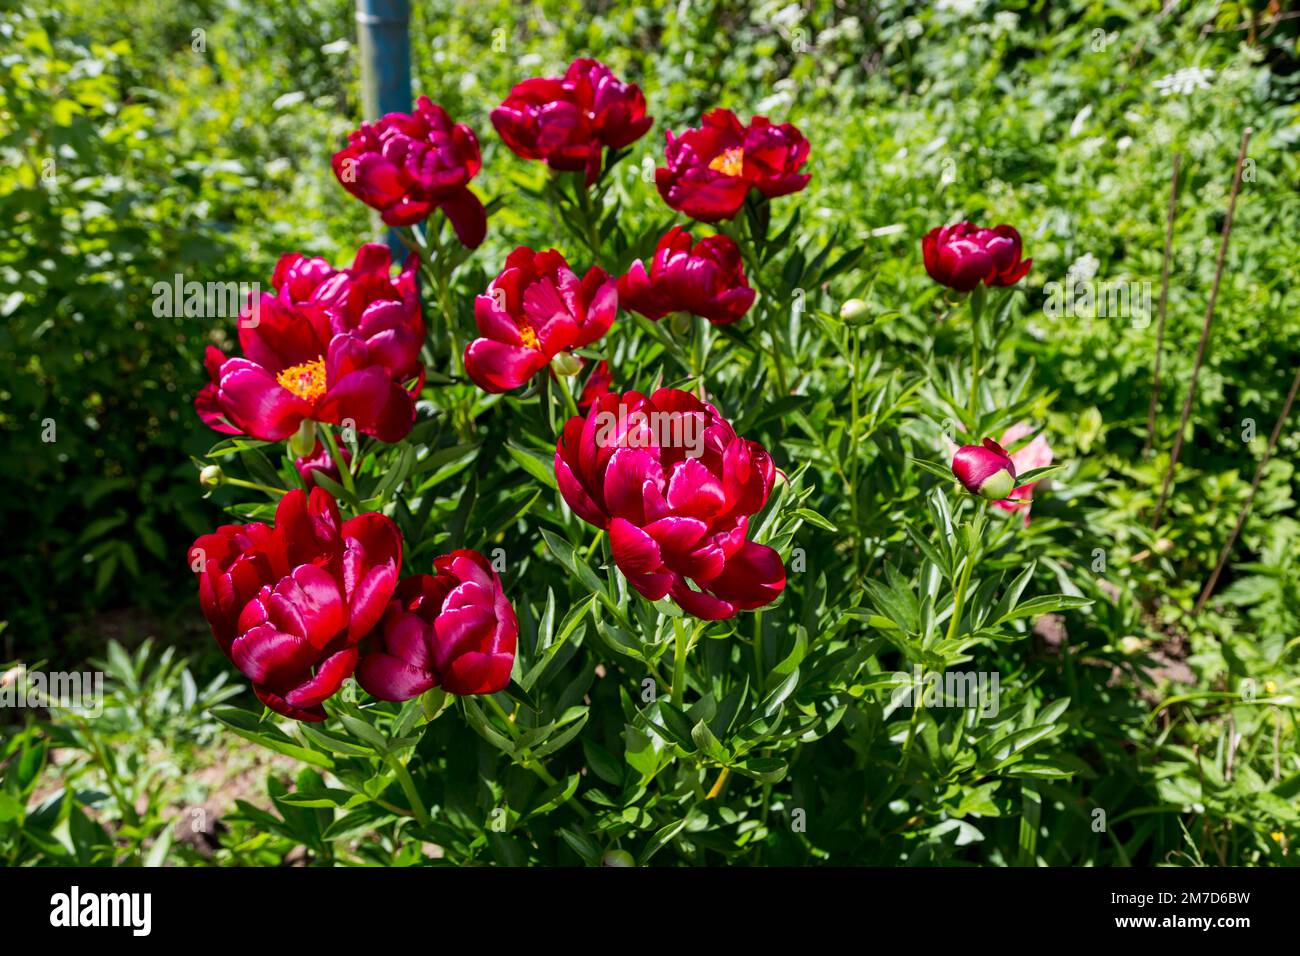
856	354
327	435
528	762
683	641
569	403
408	787
252	485
591	235
442	284
959	597
972	410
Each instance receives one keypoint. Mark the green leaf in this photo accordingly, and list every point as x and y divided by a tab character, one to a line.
813	518
268	735
1048	604
763	769
708	743
480	723
539	466
942	472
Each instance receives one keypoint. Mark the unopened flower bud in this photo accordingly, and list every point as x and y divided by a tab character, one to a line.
211	476
985	470
680	322
617	858
1131	645
1164	546
566	363
855	311
303	442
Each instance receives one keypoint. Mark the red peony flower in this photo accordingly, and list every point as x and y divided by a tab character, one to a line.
288	604
408	165
453	629
706	279
330	346
961	256
674	486
597	385
711	169
568	122
535	309
985	470
320	460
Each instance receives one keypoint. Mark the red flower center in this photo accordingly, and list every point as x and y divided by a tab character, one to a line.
307	380
730	162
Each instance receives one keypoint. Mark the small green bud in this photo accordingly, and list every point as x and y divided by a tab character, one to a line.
1132	645
303	442
566	364
211	476
680	322
617	858
855	311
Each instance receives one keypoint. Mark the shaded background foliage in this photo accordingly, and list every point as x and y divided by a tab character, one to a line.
213	163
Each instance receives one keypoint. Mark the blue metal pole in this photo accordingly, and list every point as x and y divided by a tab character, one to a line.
383	32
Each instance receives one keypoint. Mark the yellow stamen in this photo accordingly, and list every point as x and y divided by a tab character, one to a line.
307	380
730	162
527	333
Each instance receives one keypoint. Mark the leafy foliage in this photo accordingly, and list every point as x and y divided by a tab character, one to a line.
1127	730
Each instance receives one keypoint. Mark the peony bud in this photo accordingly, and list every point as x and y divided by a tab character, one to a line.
617	858
680	323
303	442
211	476
985	470
855	311
566	363
1132	645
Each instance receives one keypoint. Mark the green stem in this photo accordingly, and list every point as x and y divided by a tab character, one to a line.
254	486
958	602
569	403
589	218
918	704
327	435
744	241
124	807
408	788
595	543
972	409
855	353
959	598
976	310
781	380
442	287
698	355
683	641
528	762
